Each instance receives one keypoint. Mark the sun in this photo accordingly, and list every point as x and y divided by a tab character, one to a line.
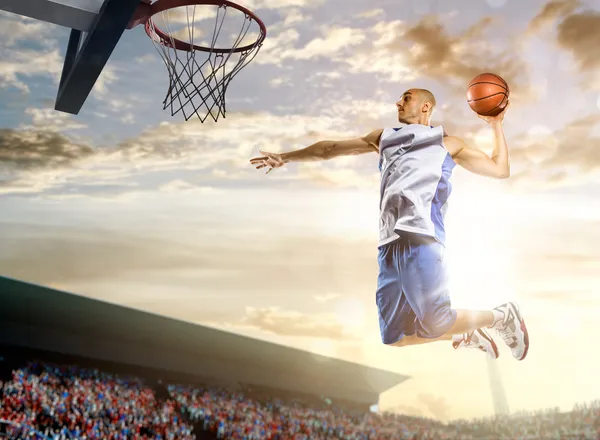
478	251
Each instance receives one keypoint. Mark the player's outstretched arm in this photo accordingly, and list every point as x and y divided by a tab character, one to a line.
322	150
475	160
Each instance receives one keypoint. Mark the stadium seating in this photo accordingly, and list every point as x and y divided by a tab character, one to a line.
47	401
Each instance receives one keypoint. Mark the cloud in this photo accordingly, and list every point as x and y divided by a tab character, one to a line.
281	4
184	15
109	75
291	323
65	255
538	156
116	262
395	50
372	13
334	43
551	12
577	33
37	157
327	297
32	50
340	178
179	185
39	149
429	49
147	58
15	64
52	120
15	29
294	16
189	257
335	40
216	153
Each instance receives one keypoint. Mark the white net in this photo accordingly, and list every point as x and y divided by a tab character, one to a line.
203	48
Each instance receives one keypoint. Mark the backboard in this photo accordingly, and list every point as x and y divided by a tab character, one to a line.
199	72
103	22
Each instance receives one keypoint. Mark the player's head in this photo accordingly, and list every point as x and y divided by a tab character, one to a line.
415	106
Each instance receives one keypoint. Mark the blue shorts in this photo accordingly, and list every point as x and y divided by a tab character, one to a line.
412	292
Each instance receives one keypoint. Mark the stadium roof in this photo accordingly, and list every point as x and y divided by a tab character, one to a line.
46	319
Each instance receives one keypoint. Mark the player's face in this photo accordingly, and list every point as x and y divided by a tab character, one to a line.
408	107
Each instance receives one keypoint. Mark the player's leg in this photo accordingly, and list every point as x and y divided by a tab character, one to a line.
414	281
424	286
423	311
436	328
506	321
416	340
396	318
508	324
478	339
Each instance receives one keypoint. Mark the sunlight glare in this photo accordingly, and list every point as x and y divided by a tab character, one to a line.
350	313
479	258
324	347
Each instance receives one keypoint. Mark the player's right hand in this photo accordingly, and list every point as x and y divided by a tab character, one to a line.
495	119
271	160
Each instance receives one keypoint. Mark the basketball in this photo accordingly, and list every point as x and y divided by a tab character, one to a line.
487	94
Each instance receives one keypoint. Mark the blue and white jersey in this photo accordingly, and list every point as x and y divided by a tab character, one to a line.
415	182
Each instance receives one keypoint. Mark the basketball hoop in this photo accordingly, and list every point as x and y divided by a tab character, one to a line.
199	72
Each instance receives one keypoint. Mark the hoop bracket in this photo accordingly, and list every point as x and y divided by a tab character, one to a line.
141	15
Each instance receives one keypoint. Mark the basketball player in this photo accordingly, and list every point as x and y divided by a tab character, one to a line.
416	163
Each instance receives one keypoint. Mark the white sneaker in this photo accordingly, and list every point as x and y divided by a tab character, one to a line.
479	339
512	330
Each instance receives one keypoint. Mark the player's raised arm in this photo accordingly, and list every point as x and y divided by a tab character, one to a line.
476	161
322	150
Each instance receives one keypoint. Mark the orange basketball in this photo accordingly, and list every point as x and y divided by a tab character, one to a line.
487	94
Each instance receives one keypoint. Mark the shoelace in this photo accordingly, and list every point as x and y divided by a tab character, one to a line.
503	331
505	334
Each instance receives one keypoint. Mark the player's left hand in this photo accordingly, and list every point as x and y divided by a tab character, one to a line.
271	160
495	119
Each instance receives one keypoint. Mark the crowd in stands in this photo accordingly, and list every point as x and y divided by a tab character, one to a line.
65	402
68	402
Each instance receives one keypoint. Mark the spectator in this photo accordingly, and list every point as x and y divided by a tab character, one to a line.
67	402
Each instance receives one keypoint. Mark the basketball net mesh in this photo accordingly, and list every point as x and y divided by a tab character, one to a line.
198	79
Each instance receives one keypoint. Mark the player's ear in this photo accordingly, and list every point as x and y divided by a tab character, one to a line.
426	107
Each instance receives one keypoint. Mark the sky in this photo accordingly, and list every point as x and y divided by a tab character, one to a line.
128	204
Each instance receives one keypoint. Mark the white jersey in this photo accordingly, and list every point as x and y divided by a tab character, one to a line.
415	182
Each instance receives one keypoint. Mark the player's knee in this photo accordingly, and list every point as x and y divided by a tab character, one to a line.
438	321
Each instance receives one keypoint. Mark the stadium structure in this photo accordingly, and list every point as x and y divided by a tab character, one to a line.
37	320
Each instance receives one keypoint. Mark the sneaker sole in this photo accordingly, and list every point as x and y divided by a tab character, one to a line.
525	339
523	329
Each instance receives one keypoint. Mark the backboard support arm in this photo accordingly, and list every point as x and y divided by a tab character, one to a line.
83	67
